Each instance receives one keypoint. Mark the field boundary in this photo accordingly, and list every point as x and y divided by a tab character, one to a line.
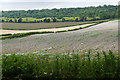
18	35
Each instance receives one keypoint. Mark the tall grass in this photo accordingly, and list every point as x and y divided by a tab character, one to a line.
61	66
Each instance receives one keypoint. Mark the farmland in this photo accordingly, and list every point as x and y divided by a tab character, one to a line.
95	37
63	43
33	26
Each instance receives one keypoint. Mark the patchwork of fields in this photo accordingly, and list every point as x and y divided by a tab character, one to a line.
103	36
33	26
45	30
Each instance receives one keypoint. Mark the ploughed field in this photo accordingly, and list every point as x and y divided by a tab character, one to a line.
103	36
33	26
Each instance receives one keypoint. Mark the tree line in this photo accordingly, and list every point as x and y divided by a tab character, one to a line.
103	12
20	20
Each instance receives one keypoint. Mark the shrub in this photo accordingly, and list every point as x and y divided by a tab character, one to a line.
63	65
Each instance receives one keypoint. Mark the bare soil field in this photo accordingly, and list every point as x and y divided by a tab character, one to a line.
33	26
100	37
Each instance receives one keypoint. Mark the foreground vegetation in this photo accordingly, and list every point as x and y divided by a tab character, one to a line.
62	65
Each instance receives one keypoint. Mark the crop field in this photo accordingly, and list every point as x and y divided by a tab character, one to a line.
95	37
33	26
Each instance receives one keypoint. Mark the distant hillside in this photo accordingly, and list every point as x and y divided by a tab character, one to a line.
102	12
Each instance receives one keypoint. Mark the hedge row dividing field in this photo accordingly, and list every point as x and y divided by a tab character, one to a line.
60	65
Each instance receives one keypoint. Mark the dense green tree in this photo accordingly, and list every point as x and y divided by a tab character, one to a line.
15	20
3	21
45	20
38	21
102	12
77	20
48	20
41	21
54	20
20	20
63	12
10	20
63	19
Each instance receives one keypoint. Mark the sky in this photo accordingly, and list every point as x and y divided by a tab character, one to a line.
49	4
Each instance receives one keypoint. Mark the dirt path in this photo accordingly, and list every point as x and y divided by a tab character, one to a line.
42	30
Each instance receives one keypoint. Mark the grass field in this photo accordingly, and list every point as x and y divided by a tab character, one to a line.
75	65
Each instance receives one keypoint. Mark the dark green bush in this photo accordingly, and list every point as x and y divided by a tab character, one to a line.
57	66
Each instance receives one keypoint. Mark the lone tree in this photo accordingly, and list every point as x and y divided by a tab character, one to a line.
76	20
54	20
48	20
20	20
10	20
15	20
41	21
3	21
45	20
63	19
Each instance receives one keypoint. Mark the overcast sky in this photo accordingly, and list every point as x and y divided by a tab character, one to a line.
59	0
44	4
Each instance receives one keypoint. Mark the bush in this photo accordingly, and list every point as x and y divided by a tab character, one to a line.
64	65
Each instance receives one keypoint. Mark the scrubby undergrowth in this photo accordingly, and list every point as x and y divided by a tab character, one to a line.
63	65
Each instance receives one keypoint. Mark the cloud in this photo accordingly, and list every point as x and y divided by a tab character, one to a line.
49	5
59	1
